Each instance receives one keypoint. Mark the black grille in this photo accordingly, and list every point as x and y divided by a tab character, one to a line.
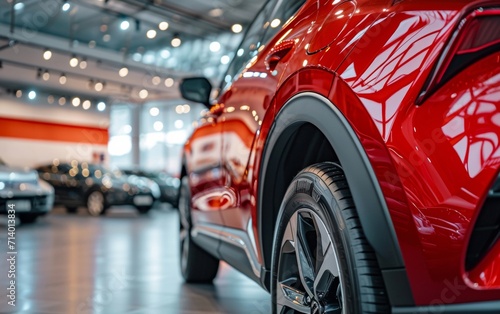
486	231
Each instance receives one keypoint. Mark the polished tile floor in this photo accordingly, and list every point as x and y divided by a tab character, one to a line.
120	263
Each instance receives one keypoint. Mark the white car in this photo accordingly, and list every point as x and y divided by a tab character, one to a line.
23	191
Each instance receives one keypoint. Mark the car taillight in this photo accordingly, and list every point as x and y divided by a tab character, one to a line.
477	35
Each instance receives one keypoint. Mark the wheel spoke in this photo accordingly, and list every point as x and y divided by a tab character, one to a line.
327	272
288	297
305	259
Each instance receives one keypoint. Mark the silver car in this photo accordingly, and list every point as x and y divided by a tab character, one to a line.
24	192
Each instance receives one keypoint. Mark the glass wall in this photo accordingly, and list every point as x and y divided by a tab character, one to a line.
151	136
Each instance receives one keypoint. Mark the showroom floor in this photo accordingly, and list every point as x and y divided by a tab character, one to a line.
120	263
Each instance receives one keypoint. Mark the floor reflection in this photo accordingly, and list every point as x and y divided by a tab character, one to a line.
120	263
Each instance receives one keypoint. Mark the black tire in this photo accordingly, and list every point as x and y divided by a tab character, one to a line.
197	266
96	203
71	209
143	209
28	218
318	231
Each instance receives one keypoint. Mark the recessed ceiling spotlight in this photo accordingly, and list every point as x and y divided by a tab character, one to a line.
75	102
47	54
19	93
163	26
237	28
143	94
123	72
46	75
106	37
63	79
101	106
103	28
217	12
176	41
86	104
124	25
151	34
98	86
169	82
275	23
66	6
154	111
83	64
156	80
32	95
19	6
62	101
73	62
224	59
50	99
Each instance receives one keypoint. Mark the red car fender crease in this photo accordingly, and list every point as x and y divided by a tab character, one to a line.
476	31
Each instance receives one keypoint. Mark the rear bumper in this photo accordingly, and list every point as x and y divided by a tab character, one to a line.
489	307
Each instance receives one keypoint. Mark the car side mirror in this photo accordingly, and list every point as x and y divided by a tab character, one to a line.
197	89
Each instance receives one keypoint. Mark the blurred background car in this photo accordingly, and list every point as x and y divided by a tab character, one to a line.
22	188
168	184
94	187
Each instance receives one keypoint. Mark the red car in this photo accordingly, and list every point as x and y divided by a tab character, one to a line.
350	163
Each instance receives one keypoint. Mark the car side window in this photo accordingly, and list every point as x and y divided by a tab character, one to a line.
250	44
284	10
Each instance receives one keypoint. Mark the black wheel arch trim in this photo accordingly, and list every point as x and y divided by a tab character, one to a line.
374	215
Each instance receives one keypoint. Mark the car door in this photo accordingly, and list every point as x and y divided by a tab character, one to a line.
252	81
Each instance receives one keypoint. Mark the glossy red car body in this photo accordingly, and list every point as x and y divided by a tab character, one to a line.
429	144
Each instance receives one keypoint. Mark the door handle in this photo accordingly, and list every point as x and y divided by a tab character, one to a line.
278	53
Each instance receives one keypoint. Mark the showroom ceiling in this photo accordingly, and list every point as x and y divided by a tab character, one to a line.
119	49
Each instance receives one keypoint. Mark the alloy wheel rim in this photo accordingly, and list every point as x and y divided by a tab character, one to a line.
308	276
95	203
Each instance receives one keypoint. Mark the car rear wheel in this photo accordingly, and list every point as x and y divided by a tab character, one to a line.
322	262
196	264
96	204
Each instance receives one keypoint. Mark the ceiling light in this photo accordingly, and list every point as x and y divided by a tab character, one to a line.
137	57
66	7
124	25
101	106
62	101
154	111
19	6
176	41
214	46
156	80
98	86
103	28
106	37
151	34
217	12
179	109
169	82
19	93
63	79
75	102
32	95
50	99
224	59
275	23
143	94
46	75
86	104
236	28
92	44
123	72
73	62
158	126
47	54
83	64
163	26
186	108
